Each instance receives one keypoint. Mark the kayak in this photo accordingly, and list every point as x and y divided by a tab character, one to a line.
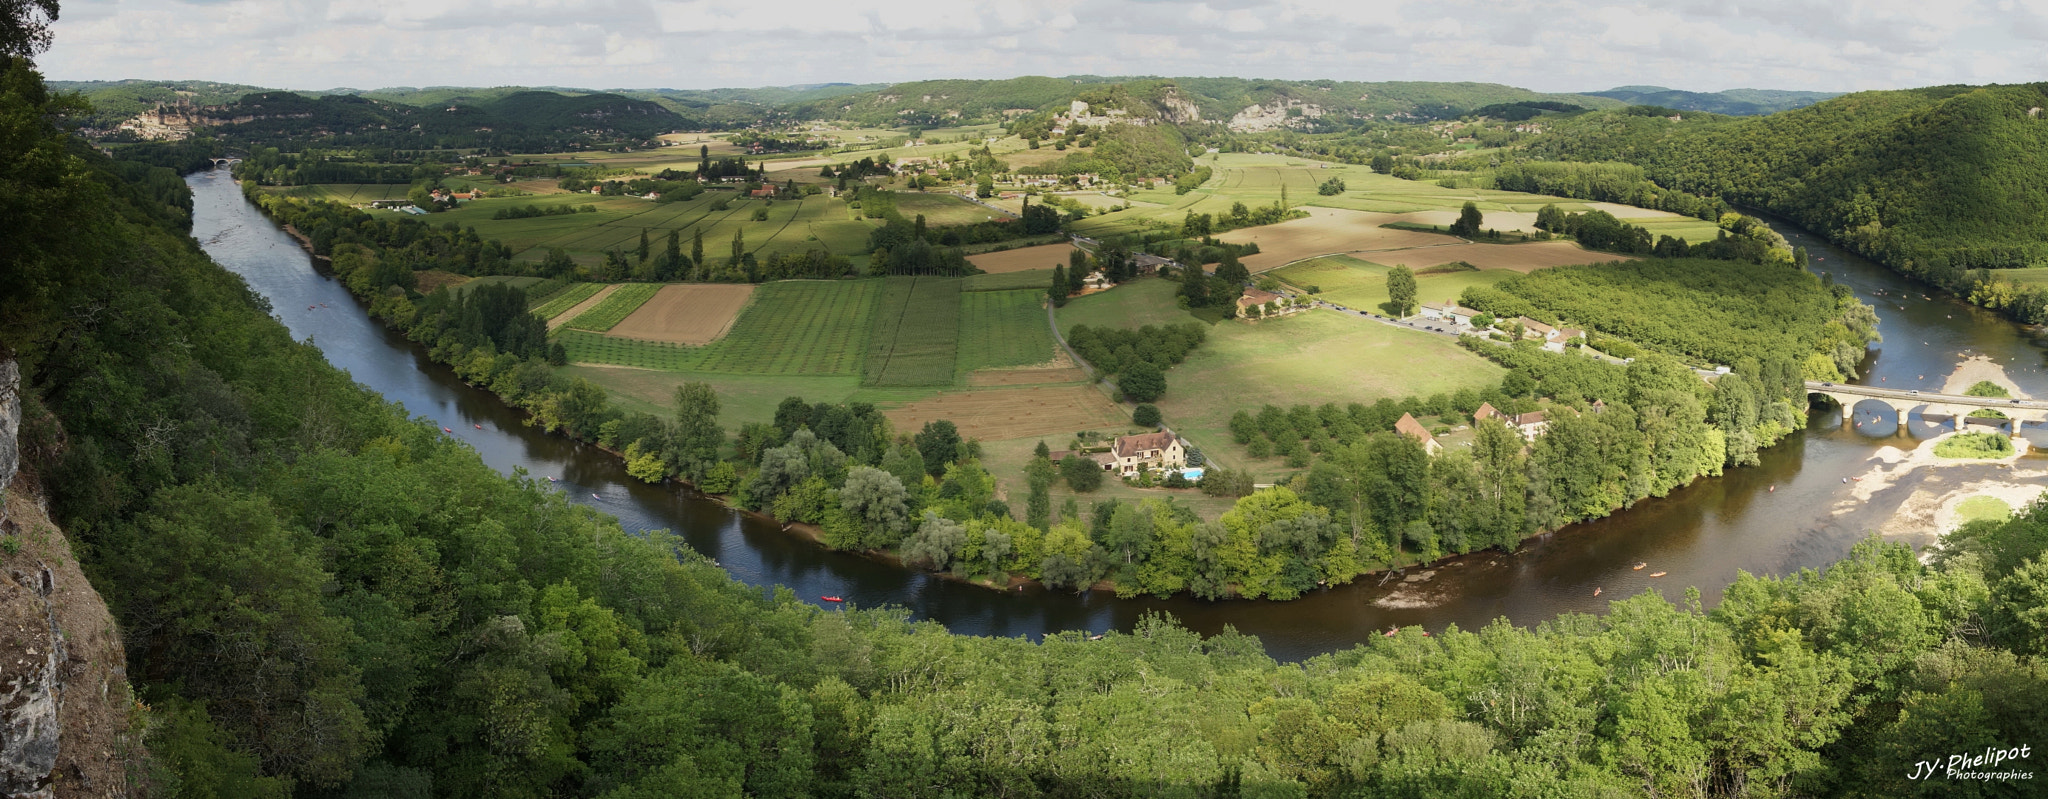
1658	574
831	599
446	430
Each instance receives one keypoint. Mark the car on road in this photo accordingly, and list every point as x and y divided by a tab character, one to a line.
1914	392
1827	385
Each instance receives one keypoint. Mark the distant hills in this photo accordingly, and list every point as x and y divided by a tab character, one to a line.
1733	102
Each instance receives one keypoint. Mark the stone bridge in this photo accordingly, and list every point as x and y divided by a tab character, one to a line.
221	162
1955	406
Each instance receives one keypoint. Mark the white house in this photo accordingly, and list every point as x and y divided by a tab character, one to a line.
1161	450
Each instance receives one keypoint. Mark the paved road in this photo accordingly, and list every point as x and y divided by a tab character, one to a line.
1925	396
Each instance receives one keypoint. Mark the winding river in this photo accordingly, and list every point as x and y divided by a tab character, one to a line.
1794	511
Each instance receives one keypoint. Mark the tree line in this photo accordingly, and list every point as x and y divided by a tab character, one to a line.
321	596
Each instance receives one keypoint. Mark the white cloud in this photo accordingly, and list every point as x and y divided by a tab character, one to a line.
1552	45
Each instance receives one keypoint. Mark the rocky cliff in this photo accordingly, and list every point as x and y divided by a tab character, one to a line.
64	700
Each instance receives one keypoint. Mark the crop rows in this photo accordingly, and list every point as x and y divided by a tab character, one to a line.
916	336
622	303
587	347
564	300
1003	329
797	328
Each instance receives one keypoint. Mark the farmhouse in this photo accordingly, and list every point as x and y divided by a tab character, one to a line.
1487	411
764	191
1530	425
1564	337
1148	263
1449	312
1539	329
1254	297
1161	450
1407	426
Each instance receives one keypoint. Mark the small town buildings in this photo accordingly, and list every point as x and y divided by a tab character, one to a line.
1161	450
764	191
1530	425
1407	426
1096	280
1487	411
1449	312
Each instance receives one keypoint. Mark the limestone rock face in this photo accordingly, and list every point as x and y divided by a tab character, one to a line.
29	685
64	697
10	425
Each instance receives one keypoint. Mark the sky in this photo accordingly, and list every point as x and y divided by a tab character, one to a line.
1546	45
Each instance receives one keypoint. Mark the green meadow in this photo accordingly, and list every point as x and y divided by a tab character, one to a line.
1360	284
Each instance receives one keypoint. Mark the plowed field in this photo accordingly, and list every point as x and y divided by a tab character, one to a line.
687	313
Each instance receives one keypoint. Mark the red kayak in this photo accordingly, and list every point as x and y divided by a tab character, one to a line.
831	599
479	427
446	430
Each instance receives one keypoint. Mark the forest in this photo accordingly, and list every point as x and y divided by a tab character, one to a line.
1942	183
412	624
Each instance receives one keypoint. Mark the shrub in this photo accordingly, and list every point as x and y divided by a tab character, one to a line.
1974	445
1146	415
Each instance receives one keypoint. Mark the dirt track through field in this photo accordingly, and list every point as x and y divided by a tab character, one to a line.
1022	259
995	414
693	313
1518	257
578	309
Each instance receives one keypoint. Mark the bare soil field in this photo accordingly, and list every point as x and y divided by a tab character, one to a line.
1493	220
999	413
578	309
1025	377
431	279
695	313
1518	257
1326	231
1044	256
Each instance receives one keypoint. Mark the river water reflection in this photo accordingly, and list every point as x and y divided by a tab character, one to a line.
1774	518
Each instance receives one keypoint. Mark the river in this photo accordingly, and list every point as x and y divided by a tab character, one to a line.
1776	518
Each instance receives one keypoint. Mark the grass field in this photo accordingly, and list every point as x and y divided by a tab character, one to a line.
2031	276
815	328
1354	283
1038	279
586	347
1982	508
1000	329
809	327
1257	180
940	208
1145	301
915	338
566	299
623	301
1314	357
617	223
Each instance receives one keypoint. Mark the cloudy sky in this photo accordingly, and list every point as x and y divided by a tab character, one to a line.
1548	45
